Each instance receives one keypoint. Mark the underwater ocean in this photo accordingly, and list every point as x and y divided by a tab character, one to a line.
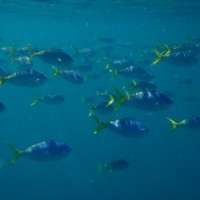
100	99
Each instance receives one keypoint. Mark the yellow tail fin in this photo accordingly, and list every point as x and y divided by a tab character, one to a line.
2	80
100	167
56	72
175	124
16	154
101	125
36	100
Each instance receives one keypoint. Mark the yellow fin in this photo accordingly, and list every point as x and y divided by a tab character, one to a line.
16	154
36	100
56	72
175	124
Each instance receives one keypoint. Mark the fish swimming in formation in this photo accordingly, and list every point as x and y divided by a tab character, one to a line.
118	165
49	150
25	77
49	99
192	124
127	126
69	75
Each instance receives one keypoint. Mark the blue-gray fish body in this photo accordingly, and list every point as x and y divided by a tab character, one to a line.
72	76
47	151
28	78
128	127
182	58
119	164
54	57
192	124
136	73
149	101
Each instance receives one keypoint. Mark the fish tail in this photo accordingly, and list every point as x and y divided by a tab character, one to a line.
111	100
16	154
91	110
121	98
2	80
112	69
133	85
160	55
56	72
101	125
36	100
100	167
175	124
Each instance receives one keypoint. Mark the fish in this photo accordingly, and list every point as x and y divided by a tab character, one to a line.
182	58
54	57
121	63
103	108
49	150
69	75
25	77
191	124
117	165
127	127
2	107
142	85
132	71
176	55
49	99
149	100
86	52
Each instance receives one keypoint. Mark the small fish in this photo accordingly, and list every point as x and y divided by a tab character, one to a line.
121	63
49	99
145	100
23	60
182	58
118	165
131	72
128	127
192	124
176	55
2	107
86	52
69	75
25	77
49	150
103	108
142	85
54	57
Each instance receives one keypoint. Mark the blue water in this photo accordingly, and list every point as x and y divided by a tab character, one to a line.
163	166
